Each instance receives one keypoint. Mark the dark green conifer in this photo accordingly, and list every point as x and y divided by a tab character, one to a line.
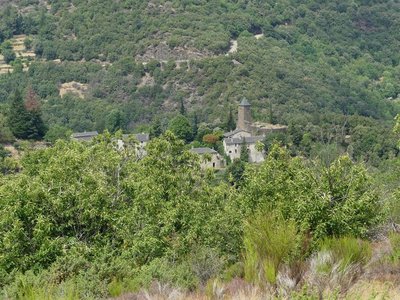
36	127
24	119
195	125
156	128
244	152
182	109
18	116
230	124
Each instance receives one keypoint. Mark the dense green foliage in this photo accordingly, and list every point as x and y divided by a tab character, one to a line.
78	210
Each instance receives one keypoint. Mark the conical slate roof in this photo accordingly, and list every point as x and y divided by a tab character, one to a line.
244	102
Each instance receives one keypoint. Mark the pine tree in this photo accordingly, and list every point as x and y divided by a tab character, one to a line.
244	152
182	109
230	124
156	128
36	129
18	116
115	121
272	118
195	125
24	119
31	102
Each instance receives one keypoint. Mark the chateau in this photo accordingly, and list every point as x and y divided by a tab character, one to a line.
248	134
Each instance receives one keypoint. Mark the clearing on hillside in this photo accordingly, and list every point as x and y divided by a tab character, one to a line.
73	87
163	52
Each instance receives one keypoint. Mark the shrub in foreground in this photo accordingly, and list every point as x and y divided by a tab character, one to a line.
269	243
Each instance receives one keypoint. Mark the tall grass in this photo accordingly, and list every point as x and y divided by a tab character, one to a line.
269	243
348	251
31	287
339	263
394	239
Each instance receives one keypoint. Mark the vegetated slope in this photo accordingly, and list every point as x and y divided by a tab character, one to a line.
316	64
89	221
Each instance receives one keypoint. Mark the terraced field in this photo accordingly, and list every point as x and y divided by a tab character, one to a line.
4	68
20	51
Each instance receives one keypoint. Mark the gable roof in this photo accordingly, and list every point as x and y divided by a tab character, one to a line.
203	150
141	137
247	140
231	133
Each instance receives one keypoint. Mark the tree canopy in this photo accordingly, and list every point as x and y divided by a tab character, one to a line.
83	200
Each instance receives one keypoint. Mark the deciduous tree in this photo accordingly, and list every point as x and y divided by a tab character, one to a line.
181	127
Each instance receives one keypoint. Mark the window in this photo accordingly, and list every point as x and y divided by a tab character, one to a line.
213	164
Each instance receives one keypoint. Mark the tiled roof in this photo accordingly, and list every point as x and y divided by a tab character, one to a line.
230	133
247	140
203	150
141	137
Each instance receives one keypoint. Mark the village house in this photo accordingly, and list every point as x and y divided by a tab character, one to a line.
141	138
209	158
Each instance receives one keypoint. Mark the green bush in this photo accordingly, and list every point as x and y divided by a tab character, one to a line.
57	132
177	274
28	43
336	200
205	263
8	52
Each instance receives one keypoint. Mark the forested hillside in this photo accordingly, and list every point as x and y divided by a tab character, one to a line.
319	218
328	69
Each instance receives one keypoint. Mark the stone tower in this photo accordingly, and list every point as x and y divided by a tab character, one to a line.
244	116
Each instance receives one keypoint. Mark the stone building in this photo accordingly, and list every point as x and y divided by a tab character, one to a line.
141	138
233	148
209	158
248	134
